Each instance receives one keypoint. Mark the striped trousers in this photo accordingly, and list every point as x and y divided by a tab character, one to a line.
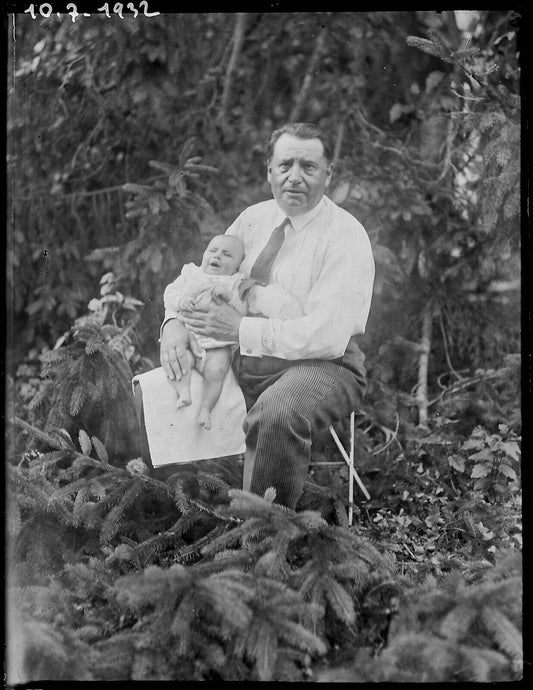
287	401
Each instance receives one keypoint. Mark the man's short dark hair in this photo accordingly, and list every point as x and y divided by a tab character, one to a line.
304	130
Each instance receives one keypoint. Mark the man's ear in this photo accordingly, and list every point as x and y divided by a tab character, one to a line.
269	172
329	174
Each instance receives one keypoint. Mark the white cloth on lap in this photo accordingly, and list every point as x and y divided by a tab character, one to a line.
174	435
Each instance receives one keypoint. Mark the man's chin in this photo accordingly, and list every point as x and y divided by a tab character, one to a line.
294	208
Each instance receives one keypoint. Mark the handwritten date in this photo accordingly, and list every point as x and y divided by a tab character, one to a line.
45	10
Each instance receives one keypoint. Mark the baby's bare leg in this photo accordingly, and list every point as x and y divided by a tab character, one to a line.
183	386
217	363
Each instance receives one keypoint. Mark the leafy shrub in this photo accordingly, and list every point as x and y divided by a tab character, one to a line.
494	456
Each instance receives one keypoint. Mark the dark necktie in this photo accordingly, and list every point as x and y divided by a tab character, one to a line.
260	272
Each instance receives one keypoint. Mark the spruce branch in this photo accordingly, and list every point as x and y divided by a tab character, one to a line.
506	635
114	519
157	543
456	623
52	439
339	599
276	611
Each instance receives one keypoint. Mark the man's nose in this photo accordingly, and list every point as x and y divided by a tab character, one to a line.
295	174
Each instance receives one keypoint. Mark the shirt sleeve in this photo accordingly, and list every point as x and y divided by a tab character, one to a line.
336	307
273	302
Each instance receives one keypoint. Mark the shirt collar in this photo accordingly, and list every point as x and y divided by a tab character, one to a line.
299	222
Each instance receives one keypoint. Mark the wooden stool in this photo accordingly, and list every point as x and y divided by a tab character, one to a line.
349	457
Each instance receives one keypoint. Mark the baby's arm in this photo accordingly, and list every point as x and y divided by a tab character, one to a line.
231	296
273	302
174	293
222	292
179	295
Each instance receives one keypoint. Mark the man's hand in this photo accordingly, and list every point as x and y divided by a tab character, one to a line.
220	321
174	343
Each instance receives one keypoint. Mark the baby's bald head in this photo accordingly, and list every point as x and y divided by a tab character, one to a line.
223	255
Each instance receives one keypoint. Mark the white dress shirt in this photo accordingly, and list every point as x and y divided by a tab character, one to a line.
326	263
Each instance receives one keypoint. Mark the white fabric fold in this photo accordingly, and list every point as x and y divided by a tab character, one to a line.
174	435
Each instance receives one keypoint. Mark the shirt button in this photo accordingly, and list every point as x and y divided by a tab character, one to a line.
248	351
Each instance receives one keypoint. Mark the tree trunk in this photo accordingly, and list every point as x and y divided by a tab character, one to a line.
238	35
423	364
338	142
308	79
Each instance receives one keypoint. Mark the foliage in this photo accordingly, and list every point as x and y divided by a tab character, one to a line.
426	156
189	578
123	312
104	547
448	263
495	454
86	378
174	222
103	95
489	397
243	588
452	633
431	507
88	385
426	508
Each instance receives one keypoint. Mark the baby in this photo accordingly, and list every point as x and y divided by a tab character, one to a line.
217	277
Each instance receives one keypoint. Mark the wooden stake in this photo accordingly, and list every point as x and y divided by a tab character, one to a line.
347	460
352	443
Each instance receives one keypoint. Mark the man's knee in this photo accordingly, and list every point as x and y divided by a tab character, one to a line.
307	398
277	412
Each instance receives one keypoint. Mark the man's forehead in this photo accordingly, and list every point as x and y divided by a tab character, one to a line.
291	146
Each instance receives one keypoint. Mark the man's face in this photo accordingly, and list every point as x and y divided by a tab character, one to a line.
222	256
298	173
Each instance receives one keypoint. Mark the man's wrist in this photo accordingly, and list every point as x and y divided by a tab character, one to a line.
165	321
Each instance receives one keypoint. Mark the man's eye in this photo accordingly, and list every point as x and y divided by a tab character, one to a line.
309	168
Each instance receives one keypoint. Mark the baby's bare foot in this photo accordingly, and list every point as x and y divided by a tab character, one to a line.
204	418
183	402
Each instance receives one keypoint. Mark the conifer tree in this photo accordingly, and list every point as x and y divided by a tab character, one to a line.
88	386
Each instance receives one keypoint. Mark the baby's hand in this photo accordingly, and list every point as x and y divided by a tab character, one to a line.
186	304
221	292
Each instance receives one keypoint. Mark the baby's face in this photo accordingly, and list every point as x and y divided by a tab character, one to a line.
223	255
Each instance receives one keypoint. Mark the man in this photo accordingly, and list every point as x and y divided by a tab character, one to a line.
297	375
